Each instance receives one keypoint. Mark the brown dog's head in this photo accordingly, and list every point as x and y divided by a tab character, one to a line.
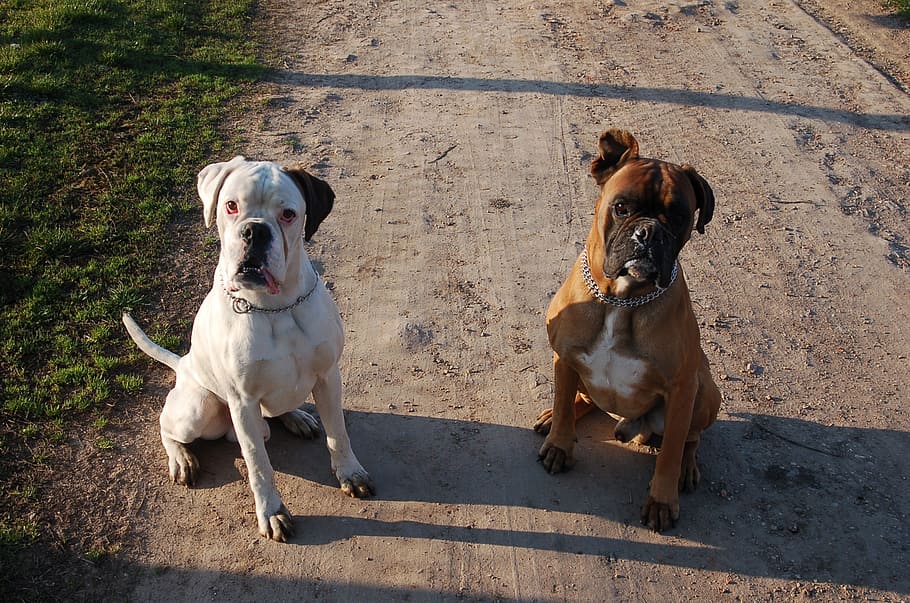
645	213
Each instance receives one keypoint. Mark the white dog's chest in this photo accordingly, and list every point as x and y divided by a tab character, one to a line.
272	359
280	386
618	383
285	369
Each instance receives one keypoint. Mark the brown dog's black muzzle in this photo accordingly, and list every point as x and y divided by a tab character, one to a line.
650	245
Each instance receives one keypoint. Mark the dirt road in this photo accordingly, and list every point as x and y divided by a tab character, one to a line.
457	137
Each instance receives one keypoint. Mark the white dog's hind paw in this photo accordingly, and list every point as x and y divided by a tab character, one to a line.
301	423
279	526
182	465
358	484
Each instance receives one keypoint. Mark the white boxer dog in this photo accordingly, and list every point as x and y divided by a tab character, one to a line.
266	335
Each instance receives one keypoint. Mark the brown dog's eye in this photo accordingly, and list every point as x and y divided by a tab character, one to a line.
620	210
231	207
288	216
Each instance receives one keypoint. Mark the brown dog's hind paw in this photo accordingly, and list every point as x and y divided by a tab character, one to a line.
358	485
659	516
544	422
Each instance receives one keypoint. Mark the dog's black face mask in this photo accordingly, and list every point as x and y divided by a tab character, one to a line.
644	249
648	220
646	211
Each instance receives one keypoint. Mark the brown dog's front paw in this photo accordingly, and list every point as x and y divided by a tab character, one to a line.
659	516
555	458
689	477
544	422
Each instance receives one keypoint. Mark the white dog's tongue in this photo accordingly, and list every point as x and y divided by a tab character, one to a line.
270	282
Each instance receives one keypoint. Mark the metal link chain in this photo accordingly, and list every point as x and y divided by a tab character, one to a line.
631	302
243	306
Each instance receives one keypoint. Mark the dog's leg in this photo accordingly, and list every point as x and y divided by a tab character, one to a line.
183	466
190	412
707	404
556	452
545	419
661	509
689	475
231	435
640	430
354	479
274	520
300	423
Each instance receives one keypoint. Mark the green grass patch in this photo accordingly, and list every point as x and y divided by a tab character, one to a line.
901	6
16	532
95	555
105	443
108	108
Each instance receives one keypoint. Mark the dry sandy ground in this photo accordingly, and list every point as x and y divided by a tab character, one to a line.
457	136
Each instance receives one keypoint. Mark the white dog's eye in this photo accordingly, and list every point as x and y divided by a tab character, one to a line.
231	207
288	215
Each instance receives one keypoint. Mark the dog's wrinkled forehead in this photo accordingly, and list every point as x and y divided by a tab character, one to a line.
653	185
619	168
260	185
253	184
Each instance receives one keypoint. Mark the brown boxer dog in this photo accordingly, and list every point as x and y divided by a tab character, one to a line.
622	329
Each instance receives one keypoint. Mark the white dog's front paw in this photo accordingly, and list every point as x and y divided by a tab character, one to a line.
279	526
301	423
356	482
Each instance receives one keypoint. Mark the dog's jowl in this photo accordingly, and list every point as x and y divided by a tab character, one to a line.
266	336
622	328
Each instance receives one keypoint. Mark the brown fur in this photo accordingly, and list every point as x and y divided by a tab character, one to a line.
658	342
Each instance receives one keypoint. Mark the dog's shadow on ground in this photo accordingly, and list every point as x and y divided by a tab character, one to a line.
779	497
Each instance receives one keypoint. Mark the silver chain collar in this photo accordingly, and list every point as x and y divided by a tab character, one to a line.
631	302
243	306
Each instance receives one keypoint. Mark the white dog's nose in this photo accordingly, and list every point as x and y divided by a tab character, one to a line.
255	234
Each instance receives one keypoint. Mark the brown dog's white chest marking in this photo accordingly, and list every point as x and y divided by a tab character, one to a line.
614	380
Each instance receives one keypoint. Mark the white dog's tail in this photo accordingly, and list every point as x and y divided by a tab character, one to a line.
148	346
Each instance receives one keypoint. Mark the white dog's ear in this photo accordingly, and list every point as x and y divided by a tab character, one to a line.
209	182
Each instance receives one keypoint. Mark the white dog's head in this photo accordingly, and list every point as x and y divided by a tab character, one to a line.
261	210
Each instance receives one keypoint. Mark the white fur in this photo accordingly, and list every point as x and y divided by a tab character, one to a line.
611	377
243	367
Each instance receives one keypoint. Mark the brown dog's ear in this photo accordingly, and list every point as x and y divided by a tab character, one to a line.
209	182
704	198
616	147
318	196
